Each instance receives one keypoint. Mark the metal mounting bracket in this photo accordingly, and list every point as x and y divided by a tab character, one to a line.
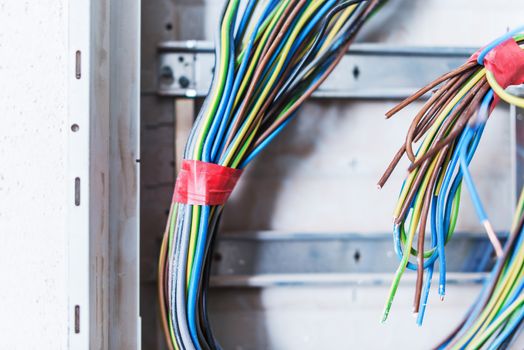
369	71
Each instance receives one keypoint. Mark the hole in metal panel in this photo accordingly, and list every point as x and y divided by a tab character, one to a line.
356	72
77	191
75	128
77	319
357	256
78	65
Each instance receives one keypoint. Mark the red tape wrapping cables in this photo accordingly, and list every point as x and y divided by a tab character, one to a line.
201	183
506	62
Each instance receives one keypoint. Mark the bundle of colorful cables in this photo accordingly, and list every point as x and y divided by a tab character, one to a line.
496	316
270	57
449	127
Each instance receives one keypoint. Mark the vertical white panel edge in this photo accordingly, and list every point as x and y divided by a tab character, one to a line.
78	225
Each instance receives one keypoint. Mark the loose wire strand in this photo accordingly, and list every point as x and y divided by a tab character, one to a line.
449	127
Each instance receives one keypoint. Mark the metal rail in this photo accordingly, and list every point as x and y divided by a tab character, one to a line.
185	70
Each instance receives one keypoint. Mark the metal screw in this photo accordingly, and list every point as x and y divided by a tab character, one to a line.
183	81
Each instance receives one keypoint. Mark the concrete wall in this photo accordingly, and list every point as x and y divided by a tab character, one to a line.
33	129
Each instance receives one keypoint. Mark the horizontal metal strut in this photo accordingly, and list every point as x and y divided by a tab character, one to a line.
369	71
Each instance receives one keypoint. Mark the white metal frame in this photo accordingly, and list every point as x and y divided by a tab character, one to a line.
78	174
103	174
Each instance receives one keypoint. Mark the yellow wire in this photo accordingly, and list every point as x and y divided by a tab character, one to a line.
494	303
518	212
503	94
195	217
336	27
303	19
333	31
224	34
247	77
414	222
432	132
507	284
477	343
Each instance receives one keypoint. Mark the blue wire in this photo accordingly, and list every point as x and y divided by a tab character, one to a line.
514	296
311	24
469	133
427	284
520	287
194	281
325	65
443	203
296	44
442	225
397	243
219	116
425	294
478	306
479	208
429	262
508	329
497	42
220	140
264	143
244	21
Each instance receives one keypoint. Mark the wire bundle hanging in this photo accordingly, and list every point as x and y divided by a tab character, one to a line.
269	59
448	130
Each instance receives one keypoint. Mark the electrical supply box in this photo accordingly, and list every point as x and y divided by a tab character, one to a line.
304	258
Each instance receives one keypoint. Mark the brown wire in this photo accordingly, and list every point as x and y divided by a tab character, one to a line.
447	94
422	231
440	105
473	102
161	284
467	98
261	116
510	244
427	199
411	193
428	87
428	110
281	28
424	125
312	88
413	189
